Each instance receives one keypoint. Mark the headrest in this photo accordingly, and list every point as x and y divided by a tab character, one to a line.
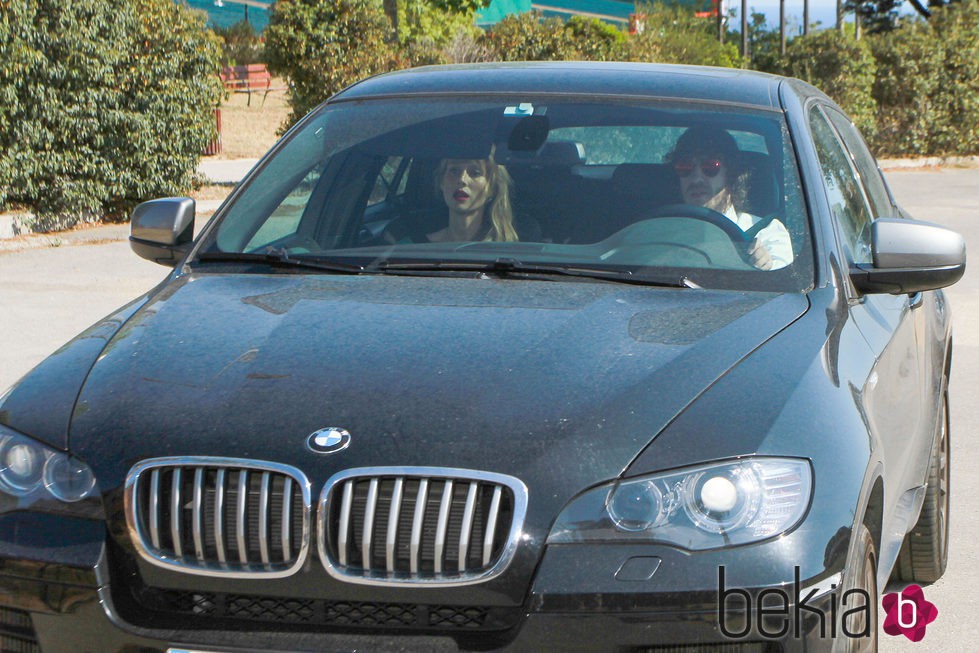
551	154
637	175
566	153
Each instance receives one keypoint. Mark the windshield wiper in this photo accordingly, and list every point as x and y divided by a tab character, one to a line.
280	259
506	266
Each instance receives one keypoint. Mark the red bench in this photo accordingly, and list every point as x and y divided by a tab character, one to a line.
252	78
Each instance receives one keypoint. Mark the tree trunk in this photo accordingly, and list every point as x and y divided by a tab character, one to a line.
391	9
781	26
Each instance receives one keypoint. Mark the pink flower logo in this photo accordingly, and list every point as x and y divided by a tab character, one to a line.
908	613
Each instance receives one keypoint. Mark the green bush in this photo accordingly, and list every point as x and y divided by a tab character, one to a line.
532	37
103	104
429	33
240	44
594	40
956	29
909	74
528	37
840	66
673	34
322	46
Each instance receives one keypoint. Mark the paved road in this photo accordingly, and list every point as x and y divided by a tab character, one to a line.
951	197
49	294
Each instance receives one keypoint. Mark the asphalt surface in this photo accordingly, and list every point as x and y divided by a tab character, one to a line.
54	286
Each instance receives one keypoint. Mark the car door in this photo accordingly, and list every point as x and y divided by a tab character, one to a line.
930	358
894	404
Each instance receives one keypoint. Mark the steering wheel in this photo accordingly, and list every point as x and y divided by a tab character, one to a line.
704	214
739	238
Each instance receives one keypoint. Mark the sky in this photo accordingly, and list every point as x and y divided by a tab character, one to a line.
821	11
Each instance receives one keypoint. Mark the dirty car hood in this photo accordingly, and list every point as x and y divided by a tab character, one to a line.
510	376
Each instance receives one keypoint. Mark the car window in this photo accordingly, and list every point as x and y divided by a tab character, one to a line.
283	220
866	164
571	184
846	197
390	182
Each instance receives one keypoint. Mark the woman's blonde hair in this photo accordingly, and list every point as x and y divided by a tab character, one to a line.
499	209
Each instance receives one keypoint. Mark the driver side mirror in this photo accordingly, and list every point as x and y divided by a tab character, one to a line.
910	256
162	230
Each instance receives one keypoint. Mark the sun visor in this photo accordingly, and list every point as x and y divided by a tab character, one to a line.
458	136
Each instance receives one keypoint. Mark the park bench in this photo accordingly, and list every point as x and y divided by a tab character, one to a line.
251	78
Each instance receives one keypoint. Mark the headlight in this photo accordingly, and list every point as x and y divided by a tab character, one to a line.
704	507
36	477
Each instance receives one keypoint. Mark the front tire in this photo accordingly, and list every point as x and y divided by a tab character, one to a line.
924	553
859	603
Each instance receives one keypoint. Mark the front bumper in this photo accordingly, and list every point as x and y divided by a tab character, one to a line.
59	608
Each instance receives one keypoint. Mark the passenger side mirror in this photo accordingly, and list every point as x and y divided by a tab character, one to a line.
162	230
910	256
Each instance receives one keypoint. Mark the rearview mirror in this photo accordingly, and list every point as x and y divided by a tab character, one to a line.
162	230
910	256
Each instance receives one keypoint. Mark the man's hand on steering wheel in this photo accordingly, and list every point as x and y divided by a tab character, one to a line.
761	258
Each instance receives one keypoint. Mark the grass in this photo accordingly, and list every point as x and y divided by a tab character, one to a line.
247	132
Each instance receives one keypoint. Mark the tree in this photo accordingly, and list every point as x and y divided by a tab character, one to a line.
875	16
956	29
428	30
673	34
764	45
241	44
322	46
909	76
532	37
529	37
103	104
882	15
842	67
402	15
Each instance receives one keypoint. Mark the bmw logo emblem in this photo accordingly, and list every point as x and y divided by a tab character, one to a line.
328	440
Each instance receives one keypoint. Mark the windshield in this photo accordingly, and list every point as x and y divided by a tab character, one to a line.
706	195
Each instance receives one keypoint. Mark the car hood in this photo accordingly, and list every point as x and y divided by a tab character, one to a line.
560	384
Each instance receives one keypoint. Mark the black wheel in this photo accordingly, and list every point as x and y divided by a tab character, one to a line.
924	553
859	602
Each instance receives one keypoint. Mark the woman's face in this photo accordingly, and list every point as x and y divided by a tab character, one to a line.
465	186
703	181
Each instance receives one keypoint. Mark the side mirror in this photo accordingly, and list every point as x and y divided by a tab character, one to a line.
910	256
162	230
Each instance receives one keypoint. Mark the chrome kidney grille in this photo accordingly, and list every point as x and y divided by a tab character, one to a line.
400	526
406	526
219	516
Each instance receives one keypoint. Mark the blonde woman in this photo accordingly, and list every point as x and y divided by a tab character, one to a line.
477	192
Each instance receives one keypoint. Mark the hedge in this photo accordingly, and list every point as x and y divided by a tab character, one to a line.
103	104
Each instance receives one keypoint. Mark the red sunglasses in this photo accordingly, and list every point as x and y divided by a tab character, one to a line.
708	167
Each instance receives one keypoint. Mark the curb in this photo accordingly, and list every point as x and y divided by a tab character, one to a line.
15	232
220	172
14	224
929	162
